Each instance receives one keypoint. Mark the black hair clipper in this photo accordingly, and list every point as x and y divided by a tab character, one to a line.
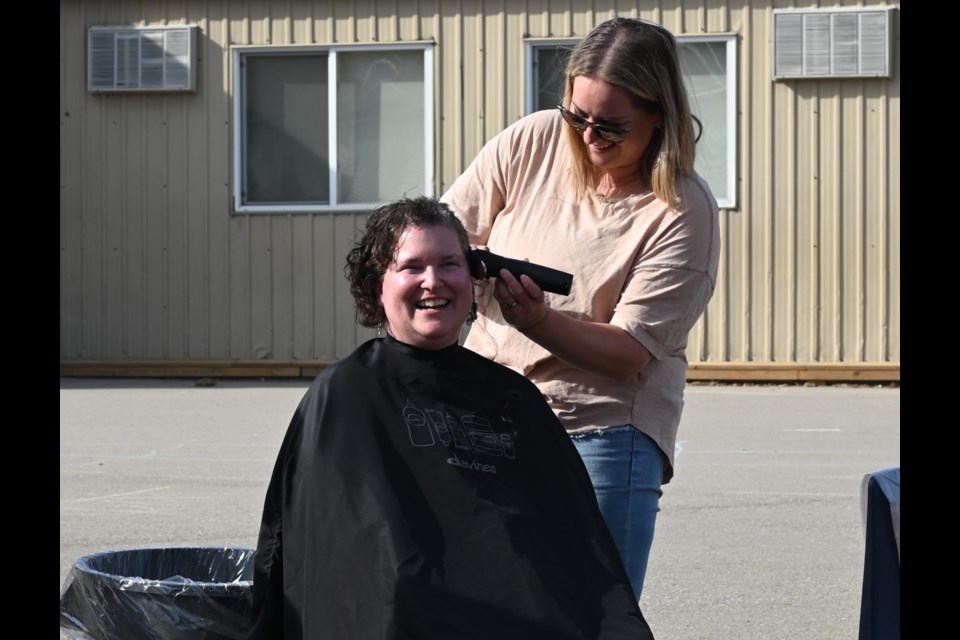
484	264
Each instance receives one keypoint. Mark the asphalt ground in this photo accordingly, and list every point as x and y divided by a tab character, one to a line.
760	534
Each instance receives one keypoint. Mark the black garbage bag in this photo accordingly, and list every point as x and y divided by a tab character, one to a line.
176	593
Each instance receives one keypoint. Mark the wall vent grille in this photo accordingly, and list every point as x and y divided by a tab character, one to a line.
831	43
142	58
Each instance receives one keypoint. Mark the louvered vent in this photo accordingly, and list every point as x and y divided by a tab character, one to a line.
831	43
142	58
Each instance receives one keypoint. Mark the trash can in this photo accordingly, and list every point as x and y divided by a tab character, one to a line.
177	593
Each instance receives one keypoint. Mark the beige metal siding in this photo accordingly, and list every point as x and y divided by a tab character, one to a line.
155	265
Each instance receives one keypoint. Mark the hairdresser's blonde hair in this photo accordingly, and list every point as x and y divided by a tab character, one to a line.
641	58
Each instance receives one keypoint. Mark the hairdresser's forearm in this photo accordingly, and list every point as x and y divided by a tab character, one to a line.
592	346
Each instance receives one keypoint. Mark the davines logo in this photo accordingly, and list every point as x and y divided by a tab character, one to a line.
472	466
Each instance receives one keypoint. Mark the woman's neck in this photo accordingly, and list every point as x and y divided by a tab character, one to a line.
619	185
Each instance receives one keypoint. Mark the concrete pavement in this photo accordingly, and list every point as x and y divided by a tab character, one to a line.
759	535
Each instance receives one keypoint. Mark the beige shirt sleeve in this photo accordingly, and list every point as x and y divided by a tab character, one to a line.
510	168
673	276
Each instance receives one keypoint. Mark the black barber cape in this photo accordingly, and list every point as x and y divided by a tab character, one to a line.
433	494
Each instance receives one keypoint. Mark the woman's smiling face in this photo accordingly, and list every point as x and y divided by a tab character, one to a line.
599	101
427	290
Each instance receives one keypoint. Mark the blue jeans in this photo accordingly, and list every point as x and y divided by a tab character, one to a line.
626	467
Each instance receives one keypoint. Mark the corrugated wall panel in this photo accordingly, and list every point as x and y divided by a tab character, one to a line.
197	184
72	153
889	331
326	277
260	279
153	264
210	182
302	299
477	127
281	284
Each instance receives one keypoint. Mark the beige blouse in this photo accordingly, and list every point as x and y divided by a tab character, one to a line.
635	263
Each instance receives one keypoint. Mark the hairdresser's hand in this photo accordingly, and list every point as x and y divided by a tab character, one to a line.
521	301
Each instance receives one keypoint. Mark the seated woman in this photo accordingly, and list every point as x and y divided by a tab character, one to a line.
424	491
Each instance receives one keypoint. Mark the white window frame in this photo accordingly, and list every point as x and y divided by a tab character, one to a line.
728	196
332	51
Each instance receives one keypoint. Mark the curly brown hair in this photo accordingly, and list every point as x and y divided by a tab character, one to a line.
370	258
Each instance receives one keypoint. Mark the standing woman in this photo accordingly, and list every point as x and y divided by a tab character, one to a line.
602	187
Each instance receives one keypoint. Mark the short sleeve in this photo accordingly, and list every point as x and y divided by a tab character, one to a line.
673	277
510	166
479	194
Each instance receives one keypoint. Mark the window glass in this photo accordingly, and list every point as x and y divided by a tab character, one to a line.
380	125
551	79
705	68
287	131
709	85
295	106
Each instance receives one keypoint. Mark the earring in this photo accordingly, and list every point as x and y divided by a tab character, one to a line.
473	307
379	329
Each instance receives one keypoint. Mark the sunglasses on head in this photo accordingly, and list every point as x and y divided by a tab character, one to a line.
604	131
